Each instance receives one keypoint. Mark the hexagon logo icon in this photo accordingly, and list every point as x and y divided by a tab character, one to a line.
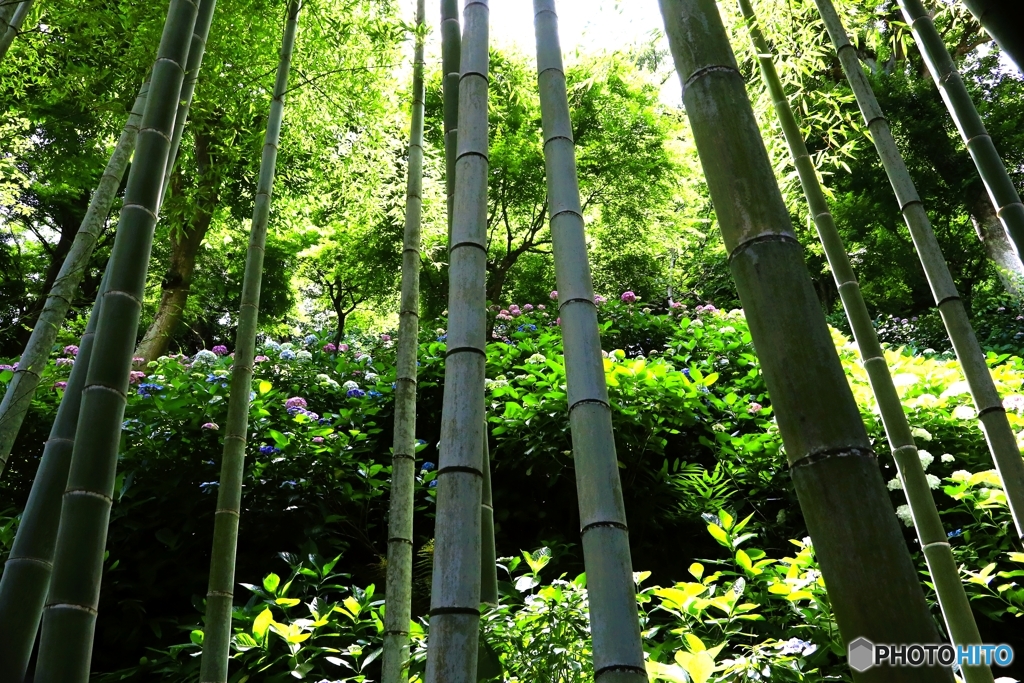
861	654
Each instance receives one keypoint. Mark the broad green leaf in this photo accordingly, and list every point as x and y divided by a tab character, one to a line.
271	583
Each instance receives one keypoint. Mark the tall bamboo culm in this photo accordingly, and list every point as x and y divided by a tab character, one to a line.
69	618
614	624
942	566
10	28
451	56
1002	443
398	597
196	52
842	495
27	571
451	50
979	143
1004	21
220	593
22	388
455	589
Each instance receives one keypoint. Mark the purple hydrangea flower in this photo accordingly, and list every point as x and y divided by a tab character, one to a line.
295	402
71	350
220	350
330	348
554	295
628	297
136	376
60	385
318	439
211	425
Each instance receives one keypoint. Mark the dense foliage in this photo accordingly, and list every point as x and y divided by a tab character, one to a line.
728	586
700	463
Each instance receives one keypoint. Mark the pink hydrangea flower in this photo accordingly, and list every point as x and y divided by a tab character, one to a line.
553	294
754	408
318	439
598	299
385	337
220	350
61	362
628	297
541	307
514	310
558	321
138	361
260	359
343	347
330	348
528	307
71	350
136	376
211	425
295	402
60	385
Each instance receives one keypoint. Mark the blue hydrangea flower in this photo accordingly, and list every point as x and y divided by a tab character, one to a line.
295	410
269	450
433	484
147	390
205	357
310	339
212	378
287	354
325	420
374	394
427	466
955	534
356	393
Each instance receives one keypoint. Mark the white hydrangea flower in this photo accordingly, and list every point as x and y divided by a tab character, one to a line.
287	346
728	329
895	484
536	359
961	475
933	481
205	357
921	433
370	377
963	413
697	323
947	457
903	512
304	356
349	385
271	345
926	458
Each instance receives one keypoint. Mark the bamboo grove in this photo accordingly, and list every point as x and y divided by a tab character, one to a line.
51	583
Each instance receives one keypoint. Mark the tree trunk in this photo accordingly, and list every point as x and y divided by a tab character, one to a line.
872	582
618	654
1004	21
941	564
1002	442
997	244
69	619
12	26
185	245
220	592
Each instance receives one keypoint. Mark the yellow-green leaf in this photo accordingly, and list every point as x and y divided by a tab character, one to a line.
694	643
261	624
287	602
265	386
719	534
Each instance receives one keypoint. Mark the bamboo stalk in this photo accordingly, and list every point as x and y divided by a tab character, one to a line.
614	623
398	598
69	618
941	565
451	55
22	388
1002	443
220	593
1003	21
196	52
836	476
1001	190
455	592
488	552
12	27
26	574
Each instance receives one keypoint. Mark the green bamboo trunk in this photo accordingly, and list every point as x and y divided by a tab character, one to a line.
842	495
1004	21
220	593
1002	443
979	143
196	52
27	571
69	619
451	50
451	55
10	28
942	566
22	388
398	598
455	591
614	624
